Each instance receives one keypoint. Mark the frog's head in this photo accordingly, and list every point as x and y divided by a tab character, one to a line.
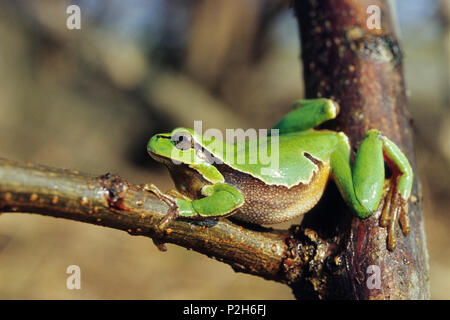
188	161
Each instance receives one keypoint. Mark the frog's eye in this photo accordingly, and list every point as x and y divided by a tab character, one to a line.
183	140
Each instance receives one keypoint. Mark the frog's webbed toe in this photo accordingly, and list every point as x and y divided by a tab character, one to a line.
395	211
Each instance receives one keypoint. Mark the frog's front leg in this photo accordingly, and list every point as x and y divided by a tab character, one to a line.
362	186
169	198
219	200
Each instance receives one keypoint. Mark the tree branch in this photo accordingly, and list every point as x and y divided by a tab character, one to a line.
113	202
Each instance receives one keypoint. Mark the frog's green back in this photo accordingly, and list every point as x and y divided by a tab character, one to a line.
283	163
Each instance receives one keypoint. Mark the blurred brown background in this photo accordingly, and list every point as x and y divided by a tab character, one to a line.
90	99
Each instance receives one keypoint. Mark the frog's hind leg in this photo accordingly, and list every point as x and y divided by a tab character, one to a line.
362	185
395	209
307	114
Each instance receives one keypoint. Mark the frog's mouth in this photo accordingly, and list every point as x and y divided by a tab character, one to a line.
162	159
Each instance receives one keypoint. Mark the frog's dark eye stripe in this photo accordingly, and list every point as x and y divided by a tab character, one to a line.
163	137
183	140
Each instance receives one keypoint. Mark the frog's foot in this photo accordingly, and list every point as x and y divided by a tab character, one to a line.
169	199
395	211
170	216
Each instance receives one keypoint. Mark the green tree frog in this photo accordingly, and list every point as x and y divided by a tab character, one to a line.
211	182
